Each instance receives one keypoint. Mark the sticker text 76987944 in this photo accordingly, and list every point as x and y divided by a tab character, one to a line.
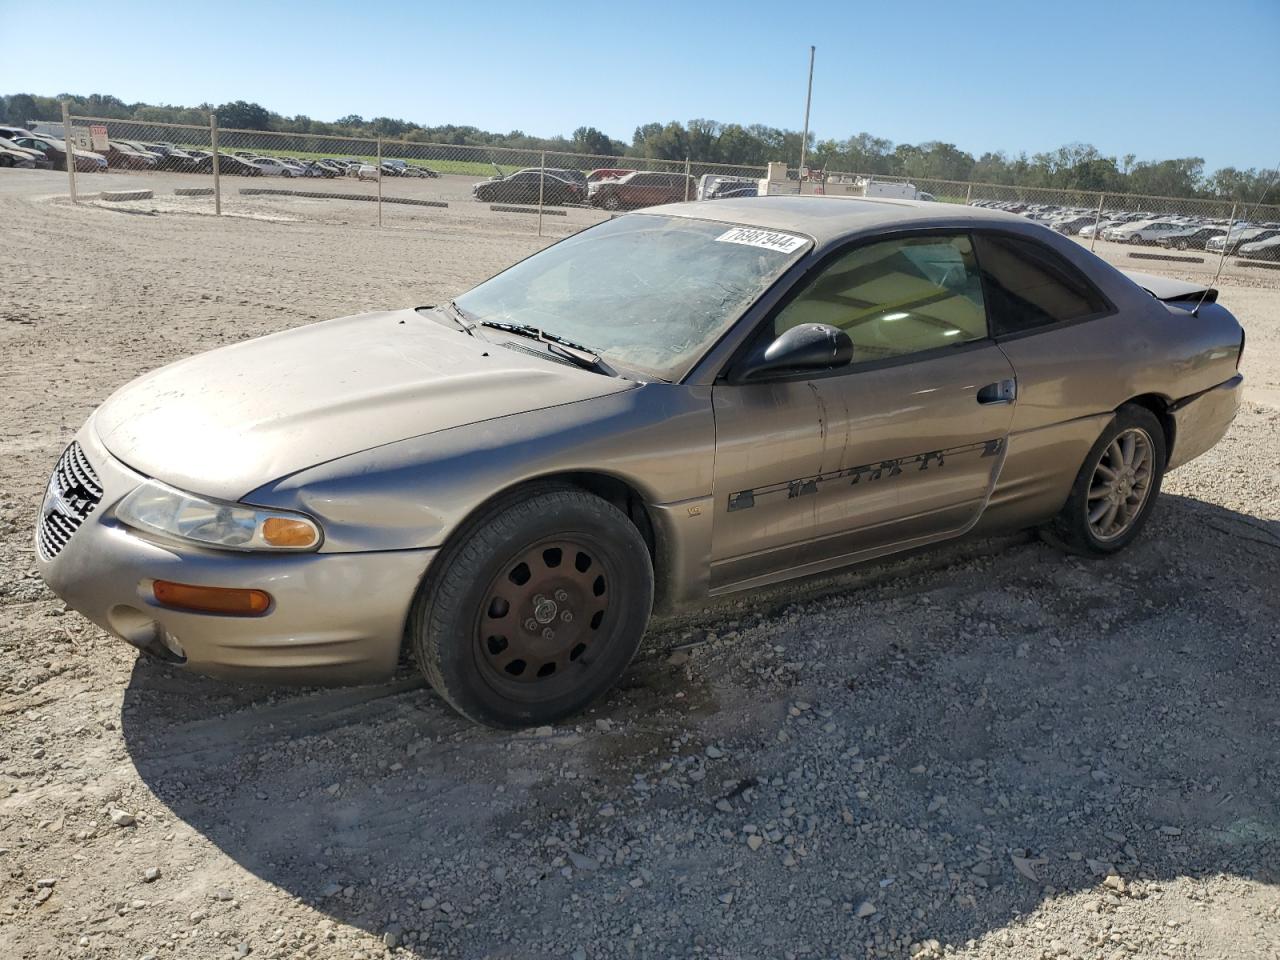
768	239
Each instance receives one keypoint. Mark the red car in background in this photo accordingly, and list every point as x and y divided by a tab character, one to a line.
641	189
607	173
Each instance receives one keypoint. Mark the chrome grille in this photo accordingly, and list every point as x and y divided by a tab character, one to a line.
73	493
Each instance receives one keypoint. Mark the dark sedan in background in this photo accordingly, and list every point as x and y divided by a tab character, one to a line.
13	155
527	186
124	157
1192	239
56	152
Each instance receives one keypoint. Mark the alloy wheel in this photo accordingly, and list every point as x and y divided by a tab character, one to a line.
1121	484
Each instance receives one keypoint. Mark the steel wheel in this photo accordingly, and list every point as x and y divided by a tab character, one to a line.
1121	484
541	618
535	608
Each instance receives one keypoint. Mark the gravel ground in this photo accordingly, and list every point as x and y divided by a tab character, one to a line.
989	750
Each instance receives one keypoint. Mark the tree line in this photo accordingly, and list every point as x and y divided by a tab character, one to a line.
1075	166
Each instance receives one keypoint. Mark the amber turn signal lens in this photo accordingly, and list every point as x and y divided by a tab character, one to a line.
225	600
282	532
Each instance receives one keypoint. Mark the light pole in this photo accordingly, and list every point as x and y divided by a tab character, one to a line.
804	137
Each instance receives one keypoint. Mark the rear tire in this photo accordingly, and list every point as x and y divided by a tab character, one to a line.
535	609
1116	488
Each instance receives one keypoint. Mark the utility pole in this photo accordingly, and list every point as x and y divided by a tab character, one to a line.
804	137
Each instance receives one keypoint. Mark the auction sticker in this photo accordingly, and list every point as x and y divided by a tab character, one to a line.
751	237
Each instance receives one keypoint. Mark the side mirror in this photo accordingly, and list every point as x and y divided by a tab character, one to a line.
807	347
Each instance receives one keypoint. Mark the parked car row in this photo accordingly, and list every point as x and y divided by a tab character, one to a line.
21	144
1176	232
21	148
13	154
330	167
611	188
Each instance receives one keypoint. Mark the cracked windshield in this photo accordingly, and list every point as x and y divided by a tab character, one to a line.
649	293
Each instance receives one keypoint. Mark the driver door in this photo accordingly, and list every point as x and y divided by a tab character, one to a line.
898	448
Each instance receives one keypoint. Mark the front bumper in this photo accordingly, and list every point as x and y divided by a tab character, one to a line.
1202	420
335	617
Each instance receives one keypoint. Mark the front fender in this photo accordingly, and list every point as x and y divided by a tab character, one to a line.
659	439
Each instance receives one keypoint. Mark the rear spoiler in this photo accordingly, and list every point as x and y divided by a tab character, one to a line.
1172	291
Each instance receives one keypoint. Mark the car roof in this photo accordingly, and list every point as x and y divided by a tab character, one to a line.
830	218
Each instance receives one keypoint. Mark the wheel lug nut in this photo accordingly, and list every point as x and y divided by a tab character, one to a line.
548	634
562	596
567	616
531	624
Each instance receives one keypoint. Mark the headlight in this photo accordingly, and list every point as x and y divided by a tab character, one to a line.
159	508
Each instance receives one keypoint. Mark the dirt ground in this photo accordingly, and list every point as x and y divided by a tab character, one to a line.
989	750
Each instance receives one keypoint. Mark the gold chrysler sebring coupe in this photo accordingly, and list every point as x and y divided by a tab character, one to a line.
696	399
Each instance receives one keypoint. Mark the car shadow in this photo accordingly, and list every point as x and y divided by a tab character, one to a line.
1044	717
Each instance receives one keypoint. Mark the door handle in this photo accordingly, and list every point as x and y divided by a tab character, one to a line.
1002	391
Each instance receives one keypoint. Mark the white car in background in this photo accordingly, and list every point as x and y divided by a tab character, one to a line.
1101	229
1141	231
363	171
272	167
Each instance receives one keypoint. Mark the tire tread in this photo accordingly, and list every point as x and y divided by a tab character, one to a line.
448	577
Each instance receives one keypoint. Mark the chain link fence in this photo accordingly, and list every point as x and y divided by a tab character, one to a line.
1162	234
388	182
396	183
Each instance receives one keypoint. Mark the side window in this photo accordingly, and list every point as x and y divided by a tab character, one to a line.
896	297
1028	285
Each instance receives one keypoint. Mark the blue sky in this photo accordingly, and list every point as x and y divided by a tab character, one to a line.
1158	79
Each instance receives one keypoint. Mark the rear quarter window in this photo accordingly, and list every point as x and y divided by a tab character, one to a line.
1029	286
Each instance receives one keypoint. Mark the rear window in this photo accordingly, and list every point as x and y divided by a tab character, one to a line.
1029	286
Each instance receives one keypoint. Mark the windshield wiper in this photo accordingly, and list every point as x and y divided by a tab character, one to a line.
458	316
584	357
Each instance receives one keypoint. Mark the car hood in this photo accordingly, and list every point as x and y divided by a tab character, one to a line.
225	422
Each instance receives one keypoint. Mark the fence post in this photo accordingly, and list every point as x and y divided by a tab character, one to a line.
686	178
968	194
1226	241
217	184
1097	222
71	150
542	183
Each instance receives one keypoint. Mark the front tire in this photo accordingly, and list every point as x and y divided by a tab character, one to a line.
535	609
1116	488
